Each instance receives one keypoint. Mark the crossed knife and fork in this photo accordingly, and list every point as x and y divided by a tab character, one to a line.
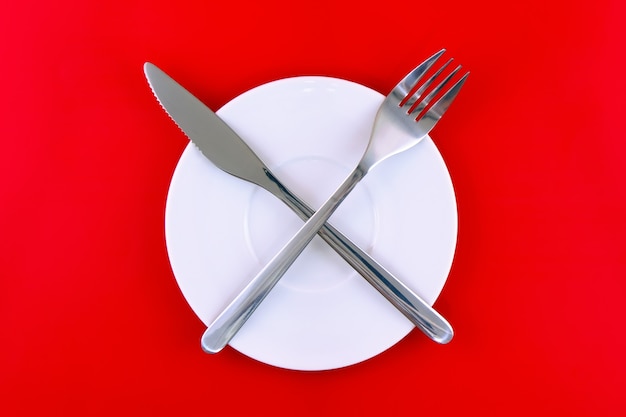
406	116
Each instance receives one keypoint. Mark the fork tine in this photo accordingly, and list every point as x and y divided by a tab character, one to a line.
413	99
424	103
404	87
432	116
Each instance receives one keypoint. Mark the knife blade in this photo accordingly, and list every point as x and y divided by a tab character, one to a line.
229	152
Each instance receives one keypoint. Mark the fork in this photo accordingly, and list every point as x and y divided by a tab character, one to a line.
400	124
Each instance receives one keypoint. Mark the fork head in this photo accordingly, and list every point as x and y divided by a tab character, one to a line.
406	115
408	98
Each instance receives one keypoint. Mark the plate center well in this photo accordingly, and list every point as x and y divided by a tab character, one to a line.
269	223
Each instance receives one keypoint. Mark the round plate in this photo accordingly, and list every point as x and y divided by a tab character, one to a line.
220	230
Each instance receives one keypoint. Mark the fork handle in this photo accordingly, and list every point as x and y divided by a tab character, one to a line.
227	324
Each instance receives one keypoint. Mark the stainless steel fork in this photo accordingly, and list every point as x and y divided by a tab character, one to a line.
400	124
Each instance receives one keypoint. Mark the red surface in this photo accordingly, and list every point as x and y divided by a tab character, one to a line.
92	320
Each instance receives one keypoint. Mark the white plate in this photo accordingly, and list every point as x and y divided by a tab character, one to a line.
220	230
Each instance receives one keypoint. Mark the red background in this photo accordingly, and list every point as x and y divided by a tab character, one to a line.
92	320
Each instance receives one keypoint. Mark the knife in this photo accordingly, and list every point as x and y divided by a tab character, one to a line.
229	152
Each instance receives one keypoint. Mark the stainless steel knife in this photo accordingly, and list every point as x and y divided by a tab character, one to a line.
222	146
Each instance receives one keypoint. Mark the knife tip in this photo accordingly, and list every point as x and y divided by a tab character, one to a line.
147	66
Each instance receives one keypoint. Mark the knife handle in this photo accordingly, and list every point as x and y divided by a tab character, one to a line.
414	308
